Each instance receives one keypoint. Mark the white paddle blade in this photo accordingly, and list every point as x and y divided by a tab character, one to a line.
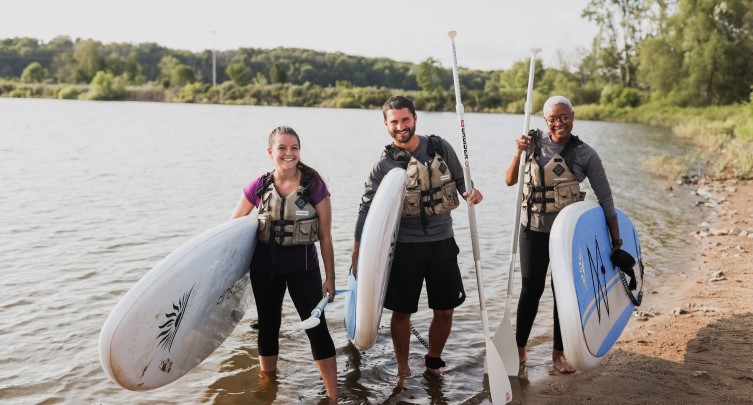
313	320
499	382
507	347
310	323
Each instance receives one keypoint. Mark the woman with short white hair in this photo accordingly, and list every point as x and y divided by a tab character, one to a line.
550	186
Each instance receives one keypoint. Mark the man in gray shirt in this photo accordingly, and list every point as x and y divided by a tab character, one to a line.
425	247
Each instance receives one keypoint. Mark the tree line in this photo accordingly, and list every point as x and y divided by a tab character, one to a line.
686	53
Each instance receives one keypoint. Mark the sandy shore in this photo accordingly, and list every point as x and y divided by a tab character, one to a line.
693	344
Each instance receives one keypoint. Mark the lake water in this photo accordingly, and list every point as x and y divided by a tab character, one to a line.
94	194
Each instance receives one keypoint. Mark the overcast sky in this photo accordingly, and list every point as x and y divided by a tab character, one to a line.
492	34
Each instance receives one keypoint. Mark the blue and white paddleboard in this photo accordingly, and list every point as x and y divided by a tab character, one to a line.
365	299
592	302
181	310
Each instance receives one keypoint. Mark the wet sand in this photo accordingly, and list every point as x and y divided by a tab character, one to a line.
691	341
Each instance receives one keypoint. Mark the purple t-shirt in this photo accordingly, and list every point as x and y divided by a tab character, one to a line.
290	259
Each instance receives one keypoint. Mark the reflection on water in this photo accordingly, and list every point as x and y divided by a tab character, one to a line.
95	194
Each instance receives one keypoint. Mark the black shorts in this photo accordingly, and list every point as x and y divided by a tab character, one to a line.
437	262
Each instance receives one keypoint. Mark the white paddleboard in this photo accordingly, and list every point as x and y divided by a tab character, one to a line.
592	303
181	310
365	299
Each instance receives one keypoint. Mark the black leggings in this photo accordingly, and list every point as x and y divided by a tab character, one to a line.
305	289
534	262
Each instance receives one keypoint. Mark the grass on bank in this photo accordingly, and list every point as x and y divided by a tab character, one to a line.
723	136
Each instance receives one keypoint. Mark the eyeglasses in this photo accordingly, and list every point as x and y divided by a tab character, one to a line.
564	118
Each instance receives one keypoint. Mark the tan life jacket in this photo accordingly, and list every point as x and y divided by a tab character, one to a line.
289	220
553	187
429	190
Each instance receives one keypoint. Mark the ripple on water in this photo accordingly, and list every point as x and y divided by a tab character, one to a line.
133	181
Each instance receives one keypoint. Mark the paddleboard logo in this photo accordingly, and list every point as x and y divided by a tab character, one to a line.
232	290
598	274
170	328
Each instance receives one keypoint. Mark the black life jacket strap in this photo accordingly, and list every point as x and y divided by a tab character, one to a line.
402	156
568	152
266	181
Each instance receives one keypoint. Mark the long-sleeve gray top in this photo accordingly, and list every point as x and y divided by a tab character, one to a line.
411	230
586	164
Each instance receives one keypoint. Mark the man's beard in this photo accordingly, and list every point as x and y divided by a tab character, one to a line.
403	137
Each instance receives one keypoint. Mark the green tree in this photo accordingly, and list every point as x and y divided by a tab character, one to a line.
34	73
622	24
116	64
430	75
239	73
704	54
167	65
517	76
87	56
60	43
133	70
278	73
182	75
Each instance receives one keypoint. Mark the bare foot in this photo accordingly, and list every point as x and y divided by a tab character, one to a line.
560	363
522	356
434	371
266	379
434	365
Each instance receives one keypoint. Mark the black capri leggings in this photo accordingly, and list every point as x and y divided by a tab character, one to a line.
305	289
534	263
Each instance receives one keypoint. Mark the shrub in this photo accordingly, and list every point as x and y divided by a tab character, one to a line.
617	96
69	93
106	87
194	92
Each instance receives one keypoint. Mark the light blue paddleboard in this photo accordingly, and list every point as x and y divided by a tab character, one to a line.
365	300
592	301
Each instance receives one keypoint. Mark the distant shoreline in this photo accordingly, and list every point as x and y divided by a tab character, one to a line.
723	135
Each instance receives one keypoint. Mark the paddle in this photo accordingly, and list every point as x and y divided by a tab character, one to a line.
314	320
504	338
499	383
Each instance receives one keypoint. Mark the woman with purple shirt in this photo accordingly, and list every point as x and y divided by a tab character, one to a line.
294	212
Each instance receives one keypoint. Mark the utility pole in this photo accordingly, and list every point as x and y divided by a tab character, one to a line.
214	58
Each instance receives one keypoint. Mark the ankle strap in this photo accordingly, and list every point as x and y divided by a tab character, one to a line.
433	362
